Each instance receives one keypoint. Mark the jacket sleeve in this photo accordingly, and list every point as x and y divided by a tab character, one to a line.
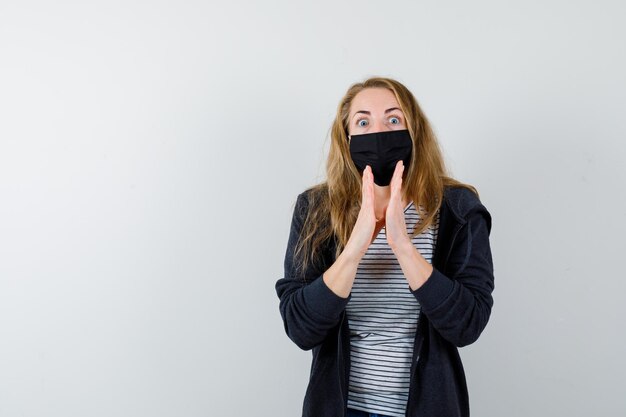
309	308
459	306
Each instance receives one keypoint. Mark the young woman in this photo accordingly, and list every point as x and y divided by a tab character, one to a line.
388	268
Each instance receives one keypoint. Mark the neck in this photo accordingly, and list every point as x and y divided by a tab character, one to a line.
381	198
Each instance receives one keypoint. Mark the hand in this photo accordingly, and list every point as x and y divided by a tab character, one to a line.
364	231
395	226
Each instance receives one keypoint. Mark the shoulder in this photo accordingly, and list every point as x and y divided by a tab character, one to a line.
461	198
302	204
311	195
304	196
463	202
302	201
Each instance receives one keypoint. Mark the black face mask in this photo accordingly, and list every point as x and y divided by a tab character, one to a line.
381	151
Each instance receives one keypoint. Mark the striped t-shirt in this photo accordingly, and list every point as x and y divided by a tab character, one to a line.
382	315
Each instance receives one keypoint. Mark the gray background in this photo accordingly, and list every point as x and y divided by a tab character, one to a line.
151	154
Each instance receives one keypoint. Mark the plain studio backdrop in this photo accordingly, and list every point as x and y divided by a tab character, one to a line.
150	158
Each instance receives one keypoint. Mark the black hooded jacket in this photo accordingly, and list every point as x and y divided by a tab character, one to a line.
455	304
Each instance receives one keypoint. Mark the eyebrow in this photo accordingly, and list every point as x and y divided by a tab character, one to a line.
369	113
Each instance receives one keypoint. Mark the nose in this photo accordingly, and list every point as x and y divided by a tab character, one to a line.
379	125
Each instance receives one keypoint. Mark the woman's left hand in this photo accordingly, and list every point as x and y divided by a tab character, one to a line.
395	226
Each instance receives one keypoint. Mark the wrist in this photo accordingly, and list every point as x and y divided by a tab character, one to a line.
416	269
351	256
351	253
403	248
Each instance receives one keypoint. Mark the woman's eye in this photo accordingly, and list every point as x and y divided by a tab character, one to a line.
361	123
394	120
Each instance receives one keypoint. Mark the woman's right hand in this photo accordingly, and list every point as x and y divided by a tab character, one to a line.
366	228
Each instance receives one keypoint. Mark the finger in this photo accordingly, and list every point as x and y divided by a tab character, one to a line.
370	187
367	192
364	187
399	168
396	179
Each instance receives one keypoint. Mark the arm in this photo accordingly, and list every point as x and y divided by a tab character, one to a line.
458	306
308	306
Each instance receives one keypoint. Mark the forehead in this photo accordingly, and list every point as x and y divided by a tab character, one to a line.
373	99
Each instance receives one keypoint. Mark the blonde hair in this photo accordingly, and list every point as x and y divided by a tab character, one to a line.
335	203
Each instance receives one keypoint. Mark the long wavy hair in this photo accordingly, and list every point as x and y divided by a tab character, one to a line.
335	203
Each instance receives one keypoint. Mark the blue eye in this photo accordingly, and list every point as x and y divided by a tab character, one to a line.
394	120
362	123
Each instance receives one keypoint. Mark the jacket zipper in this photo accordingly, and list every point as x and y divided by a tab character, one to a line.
341	364
417	349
